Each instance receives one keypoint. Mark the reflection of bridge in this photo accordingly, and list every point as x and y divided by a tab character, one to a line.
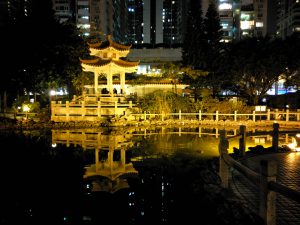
107	168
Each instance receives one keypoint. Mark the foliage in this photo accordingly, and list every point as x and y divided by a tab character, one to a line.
227	105
292	75
256	65
21	101
194	40
84	78
163	102
47	53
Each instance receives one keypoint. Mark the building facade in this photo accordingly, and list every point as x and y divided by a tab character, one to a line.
95	16
288	17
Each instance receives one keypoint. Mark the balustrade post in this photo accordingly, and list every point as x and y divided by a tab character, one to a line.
67	110
267	203
145	116
200	115
298	114
276	114
268	115
83	109
253	116
235	115
179	114
275	136
223	168
287	113
242	140
217	115
130	104
99	109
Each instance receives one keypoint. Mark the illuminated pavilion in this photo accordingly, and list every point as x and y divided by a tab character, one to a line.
107	58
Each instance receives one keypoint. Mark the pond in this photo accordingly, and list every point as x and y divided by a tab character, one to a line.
130	176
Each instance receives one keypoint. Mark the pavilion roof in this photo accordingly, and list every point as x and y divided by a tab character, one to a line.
98	62
109	43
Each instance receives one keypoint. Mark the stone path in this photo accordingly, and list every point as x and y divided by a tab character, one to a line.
287	210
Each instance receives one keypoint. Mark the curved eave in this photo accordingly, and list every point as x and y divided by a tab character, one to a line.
95	45
95	51
116	45
89	61
111	176
123	63
110	65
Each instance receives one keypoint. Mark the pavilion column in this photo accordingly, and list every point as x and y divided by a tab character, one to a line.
122	82
96	82
109	82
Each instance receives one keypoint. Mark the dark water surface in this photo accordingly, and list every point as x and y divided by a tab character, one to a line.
138	176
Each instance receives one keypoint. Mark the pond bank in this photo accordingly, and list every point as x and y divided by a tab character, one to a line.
30	124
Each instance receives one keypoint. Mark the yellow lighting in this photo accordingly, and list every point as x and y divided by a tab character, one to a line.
26	108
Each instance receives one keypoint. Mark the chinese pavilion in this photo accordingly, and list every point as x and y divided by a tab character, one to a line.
108	59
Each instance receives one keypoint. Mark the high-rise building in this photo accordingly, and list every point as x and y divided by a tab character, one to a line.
95	16
156	21
64	10
14	10
226	13
245	18
288	17
135	22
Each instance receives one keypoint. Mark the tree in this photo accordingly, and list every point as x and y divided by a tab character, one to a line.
214	50
292	75
172	71
256	66
42	52
194	41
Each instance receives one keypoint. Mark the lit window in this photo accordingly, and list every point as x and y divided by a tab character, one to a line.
259	24
245	25
225	6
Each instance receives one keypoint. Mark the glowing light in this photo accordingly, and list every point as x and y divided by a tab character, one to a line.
259	24
225	6
52	92
245	25
26	108
54	145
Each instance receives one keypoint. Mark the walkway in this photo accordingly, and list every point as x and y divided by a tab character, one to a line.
287	211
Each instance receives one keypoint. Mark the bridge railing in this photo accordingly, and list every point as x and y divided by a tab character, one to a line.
265	180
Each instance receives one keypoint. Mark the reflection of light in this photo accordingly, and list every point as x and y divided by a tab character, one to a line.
259	140
53	145
295	145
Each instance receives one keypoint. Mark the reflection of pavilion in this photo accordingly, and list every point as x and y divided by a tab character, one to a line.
107	168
